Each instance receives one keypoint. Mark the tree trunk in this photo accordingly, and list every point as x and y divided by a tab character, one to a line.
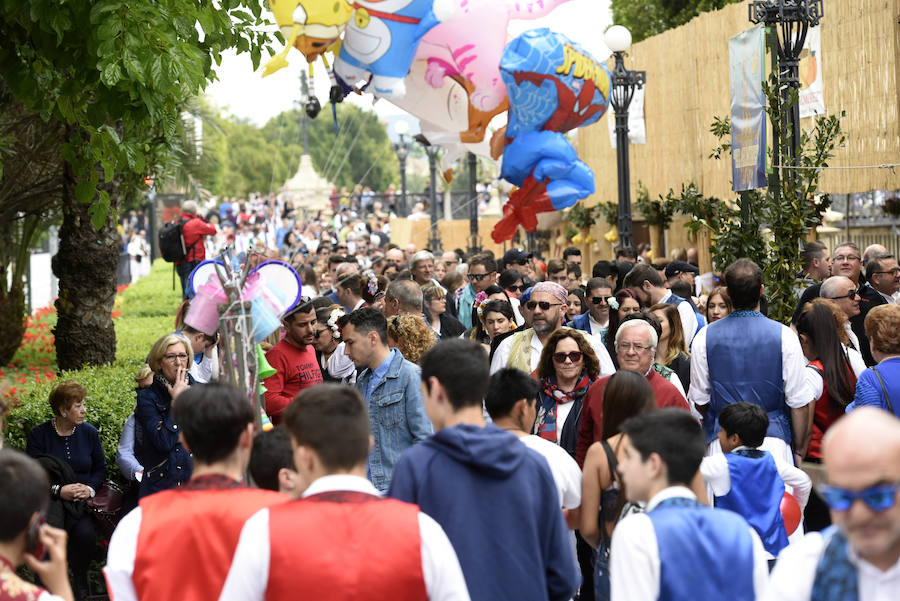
12	323
86	266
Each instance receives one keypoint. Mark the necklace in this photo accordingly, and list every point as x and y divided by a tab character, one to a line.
56	429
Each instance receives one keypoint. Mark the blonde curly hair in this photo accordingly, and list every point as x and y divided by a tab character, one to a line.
410	335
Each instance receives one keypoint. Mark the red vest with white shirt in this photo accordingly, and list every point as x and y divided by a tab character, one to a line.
343	545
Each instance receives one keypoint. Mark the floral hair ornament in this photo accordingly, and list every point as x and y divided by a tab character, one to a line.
332	322
372	283
613	303
480	299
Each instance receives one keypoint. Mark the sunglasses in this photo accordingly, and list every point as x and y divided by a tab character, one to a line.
573	356
880	497
544	305
521	288
478	276
850	295
520	262
600	299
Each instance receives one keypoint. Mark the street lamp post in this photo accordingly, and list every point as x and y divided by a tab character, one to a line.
474	245
402	148
795	17
624	83
434	234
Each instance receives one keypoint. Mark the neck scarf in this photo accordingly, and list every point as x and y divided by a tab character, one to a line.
837	577
552	397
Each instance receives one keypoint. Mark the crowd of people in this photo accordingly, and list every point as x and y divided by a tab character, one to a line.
668	427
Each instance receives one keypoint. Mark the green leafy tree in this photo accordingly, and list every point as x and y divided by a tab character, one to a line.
114	77
789	207
645	18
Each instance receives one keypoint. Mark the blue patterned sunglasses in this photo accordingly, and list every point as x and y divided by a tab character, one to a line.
880	497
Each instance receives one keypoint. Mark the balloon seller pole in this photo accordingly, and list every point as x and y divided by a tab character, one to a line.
236	330
624	82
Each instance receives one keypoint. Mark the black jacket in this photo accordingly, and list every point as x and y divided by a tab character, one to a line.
61	514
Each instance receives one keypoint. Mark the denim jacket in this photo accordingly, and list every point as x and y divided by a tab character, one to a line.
166	463
396	414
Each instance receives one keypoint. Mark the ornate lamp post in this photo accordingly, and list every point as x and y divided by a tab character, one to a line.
795	17
474	245
434	234
624	83
402	148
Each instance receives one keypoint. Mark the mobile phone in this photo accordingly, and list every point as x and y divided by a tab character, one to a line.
33	543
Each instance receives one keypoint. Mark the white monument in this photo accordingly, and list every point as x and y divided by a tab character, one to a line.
307	189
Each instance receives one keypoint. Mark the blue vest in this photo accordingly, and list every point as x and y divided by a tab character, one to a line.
756	492
743	352
705	554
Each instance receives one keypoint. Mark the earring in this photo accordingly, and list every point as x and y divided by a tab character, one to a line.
64	415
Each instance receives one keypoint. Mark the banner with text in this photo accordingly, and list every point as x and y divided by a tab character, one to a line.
746	53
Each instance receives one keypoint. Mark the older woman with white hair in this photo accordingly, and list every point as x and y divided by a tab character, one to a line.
166	462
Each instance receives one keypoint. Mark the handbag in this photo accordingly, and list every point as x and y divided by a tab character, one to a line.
106	505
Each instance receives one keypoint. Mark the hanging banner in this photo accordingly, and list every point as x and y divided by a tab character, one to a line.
637	133
812	99
746	53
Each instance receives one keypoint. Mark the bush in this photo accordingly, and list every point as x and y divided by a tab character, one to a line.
111	399
147	312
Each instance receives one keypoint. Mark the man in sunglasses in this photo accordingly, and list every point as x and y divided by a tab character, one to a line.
596	320
482	273
859	559
522	350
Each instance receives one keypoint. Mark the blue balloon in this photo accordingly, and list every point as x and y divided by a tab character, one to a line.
552	83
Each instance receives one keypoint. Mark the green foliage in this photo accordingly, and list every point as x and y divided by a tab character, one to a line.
789	207
116	76
581	216
240	158
645	18
656	212
609	210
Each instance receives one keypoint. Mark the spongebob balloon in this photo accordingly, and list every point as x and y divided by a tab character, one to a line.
381	41
310	26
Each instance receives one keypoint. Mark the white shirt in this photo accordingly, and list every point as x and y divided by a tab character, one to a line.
688	319
793	365
501	355
597	327
634	554
566	473
793	576
250	568
120	557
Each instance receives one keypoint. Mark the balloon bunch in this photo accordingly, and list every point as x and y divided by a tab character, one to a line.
448	63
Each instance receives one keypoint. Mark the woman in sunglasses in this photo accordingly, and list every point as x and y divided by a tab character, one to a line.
567	368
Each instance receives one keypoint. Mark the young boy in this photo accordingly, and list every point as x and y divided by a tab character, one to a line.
750	481
272	463
679	549
24	494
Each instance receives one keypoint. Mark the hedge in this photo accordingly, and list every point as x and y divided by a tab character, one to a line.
147	310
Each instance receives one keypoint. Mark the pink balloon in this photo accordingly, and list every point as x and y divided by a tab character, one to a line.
471	43
790	513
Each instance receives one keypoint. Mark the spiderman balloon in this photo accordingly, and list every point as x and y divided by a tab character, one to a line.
553	86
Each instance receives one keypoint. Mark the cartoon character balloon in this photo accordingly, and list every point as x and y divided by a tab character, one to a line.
470	44
381	41
310	26
553	86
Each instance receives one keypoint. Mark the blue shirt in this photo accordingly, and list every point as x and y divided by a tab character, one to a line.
378	375
869	391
